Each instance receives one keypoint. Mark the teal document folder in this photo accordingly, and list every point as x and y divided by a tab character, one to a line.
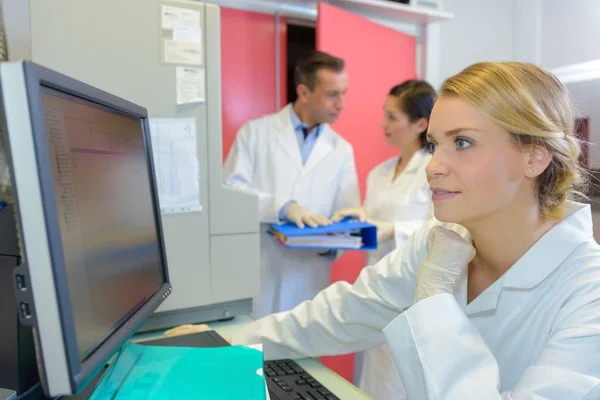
172	373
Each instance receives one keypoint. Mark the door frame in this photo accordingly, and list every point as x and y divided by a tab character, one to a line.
427	34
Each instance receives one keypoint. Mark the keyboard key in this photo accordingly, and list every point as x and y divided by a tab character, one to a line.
316	396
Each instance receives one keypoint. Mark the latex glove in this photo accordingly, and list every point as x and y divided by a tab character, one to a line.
448	254
357	212
385	230
300	216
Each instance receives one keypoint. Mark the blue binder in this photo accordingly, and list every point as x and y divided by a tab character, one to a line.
368	233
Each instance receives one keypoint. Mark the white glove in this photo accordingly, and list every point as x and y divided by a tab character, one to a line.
300	216
385	229
448	254
357	212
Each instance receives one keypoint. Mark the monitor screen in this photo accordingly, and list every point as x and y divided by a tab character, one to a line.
106	215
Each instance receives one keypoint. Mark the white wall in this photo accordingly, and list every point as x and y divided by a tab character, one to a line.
570	32
482	30
586	96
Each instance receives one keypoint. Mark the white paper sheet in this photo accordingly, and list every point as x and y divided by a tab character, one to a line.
176	164
172	17
189	35
190	84
183	52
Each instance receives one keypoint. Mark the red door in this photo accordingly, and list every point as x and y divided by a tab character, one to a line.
248	69
376	58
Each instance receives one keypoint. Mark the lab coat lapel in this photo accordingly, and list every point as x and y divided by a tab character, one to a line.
546	255
287	138
322	149
486	301
537	263
417	161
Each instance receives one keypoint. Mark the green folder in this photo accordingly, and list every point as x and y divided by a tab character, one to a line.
174	373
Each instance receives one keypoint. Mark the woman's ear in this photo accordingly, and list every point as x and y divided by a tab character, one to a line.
421	124
536	160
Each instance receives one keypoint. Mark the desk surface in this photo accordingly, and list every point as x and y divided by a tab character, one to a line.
332	381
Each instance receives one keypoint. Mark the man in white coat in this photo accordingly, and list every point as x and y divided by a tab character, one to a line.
302	172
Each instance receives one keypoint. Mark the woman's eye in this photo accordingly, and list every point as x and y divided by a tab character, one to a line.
431	147
463	144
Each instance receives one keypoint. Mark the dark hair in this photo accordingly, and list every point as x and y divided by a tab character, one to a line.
307	68
415	99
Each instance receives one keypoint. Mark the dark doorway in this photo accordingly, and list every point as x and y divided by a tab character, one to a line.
301	41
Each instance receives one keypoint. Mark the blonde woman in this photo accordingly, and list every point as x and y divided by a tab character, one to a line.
499	300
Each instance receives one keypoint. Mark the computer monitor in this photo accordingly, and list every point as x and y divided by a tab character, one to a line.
94	265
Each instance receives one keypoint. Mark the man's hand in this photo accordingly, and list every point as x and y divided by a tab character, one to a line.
300	216
356	212
385	230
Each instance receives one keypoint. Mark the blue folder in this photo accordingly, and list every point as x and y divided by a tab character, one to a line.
368	233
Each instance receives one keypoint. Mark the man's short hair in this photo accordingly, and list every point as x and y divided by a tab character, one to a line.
307	68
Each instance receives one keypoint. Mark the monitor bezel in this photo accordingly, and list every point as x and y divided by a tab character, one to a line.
79	372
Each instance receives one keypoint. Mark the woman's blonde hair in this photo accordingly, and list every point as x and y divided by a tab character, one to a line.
535	107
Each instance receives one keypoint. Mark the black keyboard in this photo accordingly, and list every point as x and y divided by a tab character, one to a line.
287	380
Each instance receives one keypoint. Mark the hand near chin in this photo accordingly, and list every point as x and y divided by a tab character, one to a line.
448	254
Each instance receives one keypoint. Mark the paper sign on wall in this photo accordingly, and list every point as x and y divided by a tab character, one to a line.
183	52
190	84
174	150
172	17
190	35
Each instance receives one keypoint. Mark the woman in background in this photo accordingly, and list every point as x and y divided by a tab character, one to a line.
398	202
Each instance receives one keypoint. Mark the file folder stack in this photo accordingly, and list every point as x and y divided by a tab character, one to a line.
344	235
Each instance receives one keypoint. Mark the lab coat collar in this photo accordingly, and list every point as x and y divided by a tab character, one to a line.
298	124
322	148
417	161
287	137
536	264
551	249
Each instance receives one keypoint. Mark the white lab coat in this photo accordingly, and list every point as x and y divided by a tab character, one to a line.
265	159
406	202
533	334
